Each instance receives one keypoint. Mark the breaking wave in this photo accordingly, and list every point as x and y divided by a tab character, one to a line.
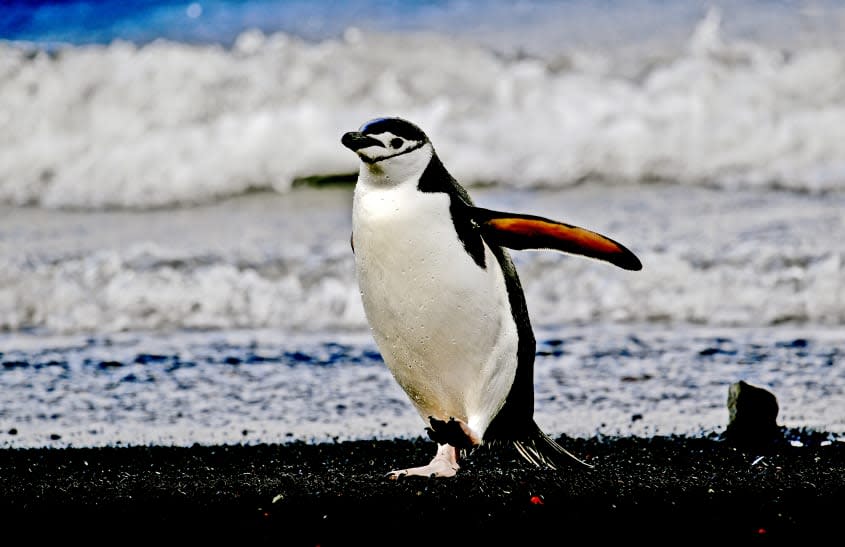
164	124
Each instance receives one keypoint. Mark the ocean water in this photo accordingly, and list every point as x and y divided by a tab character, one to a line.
175	208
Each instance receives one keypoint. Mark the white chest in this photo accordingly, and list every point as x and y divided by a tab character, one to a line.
413	271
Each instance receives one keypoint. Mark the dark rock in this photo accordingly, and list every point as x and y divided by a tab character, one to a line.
752	420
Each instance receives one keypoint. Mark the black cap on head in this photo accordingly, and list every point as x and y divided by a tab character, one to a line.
397	126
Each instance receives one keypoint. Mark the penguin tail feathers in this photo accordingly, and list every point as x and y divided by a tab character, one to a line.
543	451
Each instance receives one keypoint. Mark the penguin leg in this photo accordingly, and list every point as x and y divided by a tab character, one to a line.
444	464
454	432
451	437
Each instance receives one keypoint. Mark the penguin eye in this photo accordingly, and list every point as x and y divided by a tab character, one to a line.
396	143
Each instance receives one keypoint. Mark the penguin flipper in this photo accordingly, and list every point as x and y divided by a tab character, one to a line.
517	231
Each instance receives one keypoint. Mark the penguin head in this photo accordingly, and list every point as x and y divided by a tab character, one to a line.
391	146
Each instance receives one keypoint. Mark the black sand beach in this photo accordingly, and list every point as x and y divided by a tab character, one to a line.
678	489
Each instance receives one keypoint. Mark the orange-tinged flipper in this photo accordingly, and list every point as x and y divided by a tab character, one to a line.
516	231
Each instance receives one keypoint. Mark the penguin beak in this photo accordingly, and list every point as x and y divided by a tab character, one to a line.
355	140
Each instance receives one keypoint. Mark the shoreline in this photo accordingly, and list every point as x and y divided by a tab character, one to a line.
671	487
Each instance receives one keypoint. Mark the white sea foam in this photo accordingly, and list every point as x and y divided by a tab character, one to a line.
267	260
169	124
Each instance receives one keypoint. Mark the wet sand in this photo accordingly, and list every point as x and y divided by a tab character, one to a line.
670	488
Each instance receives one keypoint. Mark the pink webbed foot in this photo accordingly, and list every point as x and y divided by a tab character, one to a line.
444	464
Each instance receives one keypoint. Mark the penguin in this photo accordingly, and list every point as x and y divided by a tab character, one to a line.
443	299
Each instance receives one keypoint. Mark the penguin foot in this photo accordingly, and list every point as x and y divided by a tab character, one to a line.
454	432
444	464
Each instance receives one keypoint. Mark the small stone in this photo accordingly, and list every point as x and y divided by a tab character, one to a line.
752	418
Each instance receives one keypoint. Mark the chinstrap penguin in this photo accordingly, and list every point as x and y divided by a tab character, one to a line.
444	301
